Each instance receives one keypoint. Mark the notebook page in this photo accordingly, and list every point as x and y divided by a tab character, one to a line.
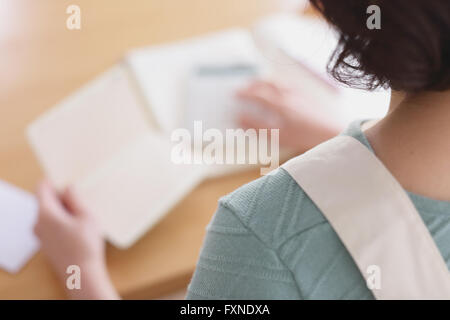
134	189
79	134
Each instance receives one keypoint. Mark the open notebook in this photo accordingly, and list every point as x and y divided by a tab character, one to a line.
100	140
111	138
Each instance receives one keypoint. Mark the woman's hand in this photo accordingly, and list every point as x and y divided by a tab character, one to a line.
302	123
70	235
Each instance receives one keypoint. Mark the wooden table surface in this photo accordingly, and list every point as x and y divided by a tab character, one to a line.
42	62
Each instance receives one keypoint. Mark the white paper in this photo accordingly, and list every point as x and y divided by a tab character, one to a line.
18	214
162	71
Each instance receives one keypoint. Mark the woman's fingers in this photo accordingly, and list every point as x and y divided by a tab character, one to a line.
52	213
267	85
247	121
54	205
73	203
265	94
49	202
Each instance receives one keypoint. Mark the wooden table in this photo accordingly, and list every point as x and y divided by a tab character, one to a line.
42	61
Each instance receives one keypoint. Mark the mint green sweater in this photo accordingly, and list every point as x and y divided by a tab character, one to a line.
268	240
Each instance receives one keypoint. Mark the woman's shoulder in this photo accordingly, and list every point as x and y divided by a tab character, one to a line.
242	256
274	207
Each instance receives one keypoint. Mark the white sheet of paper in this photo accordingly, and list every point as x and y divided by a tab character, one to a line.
161	71
18	214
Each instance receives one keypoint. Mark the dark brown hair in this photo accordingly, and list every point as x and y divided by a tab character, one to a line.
411	51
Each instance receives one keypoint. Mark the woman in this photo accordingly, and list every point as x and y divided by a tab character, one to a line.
268	239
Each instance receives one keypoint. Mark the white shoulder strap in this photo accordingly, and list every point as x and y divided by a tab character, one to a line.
374	218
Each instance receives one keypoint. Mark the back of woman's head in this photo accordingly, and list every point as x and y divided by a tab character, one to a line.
410	52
